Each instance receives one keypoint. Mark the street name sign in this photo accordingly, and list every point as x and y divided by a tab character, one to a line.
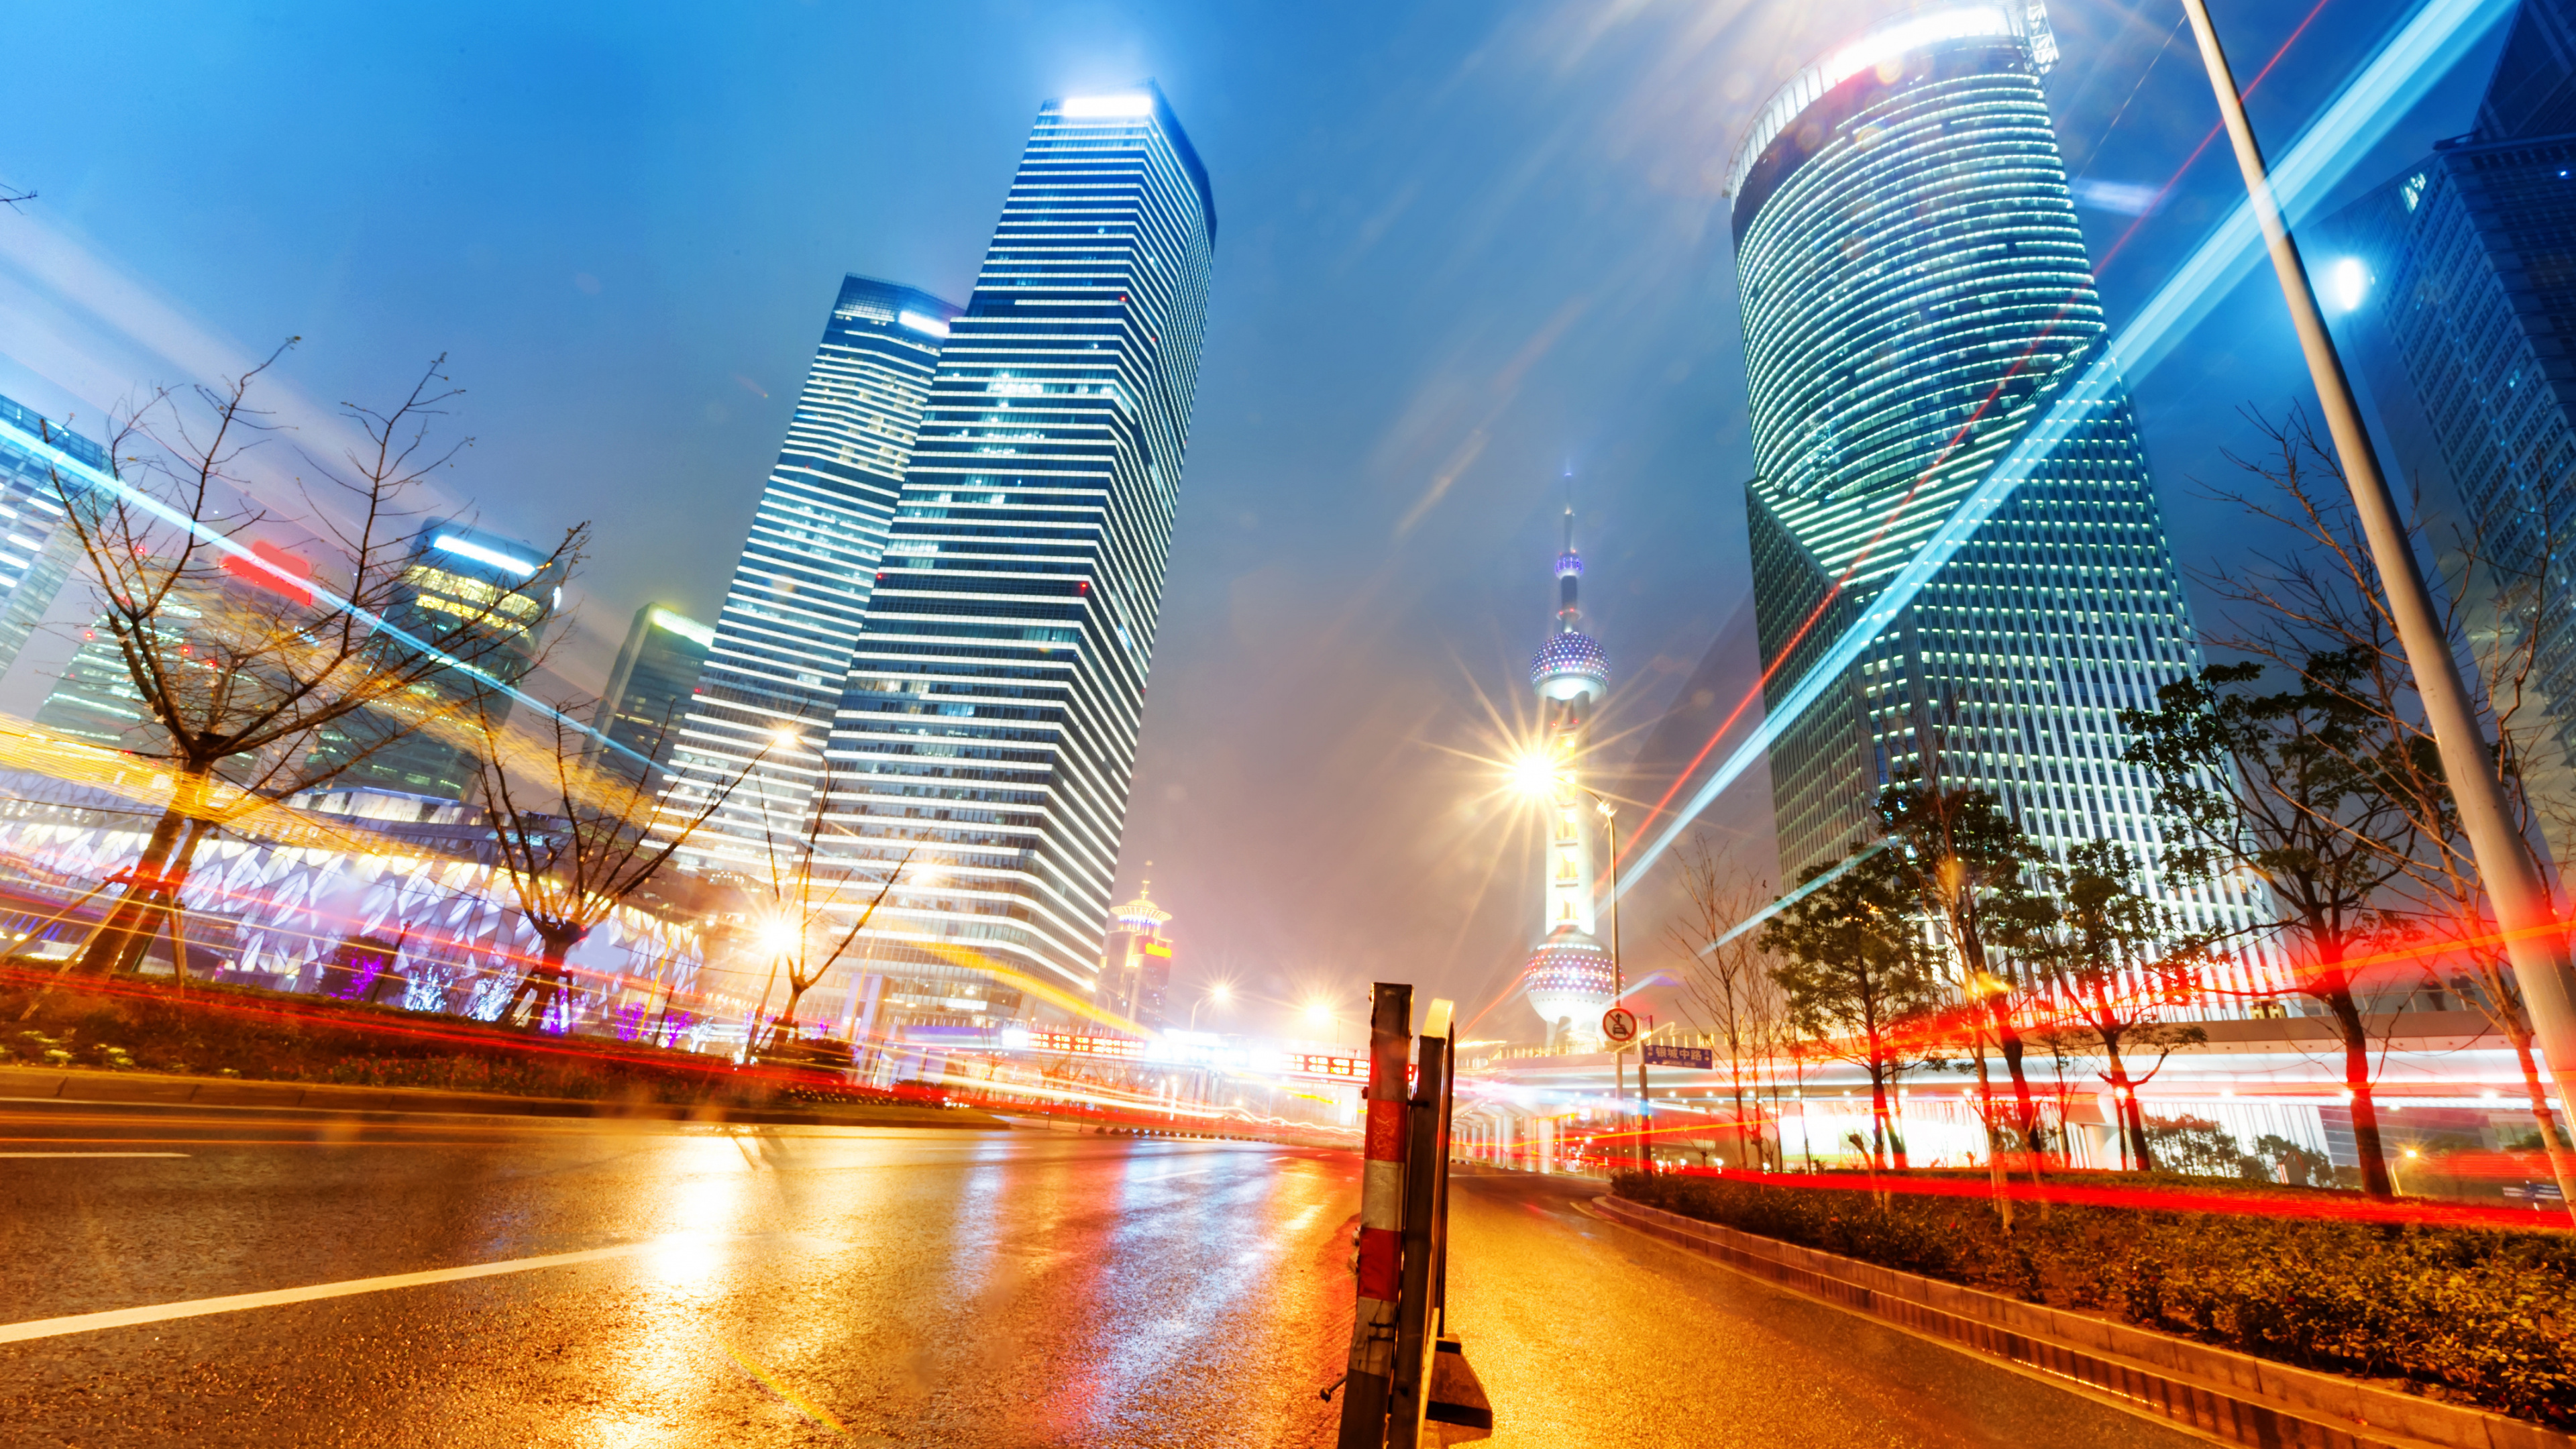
1660	1055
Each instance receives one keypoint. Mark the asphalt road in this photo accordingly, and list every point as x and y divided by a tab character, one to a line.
791	1286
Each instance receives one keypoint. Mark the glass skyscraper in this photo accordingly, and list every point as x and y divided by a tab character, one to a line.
475	594
995	695
36	551
782	639
645	704
2467	264
1915	292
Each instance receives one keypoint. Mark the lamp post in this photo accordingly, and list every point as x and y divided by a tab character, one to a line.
2533	937
1220	993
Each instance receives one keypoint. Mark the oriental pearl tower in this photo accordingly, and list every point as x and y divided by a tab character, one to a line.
1569	980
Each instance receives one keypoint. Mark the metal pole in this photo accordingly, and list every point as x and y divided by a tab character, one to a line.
1618	978
1426	1164
1380	1261
2534	941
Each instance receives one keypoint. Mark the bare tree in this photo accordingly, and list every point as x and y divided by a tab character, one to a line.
577	841
1725	975
809	891
243	654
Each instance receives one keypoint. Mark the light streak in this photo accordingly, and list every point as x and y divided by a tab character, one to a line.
794	1400
241	558
1793	897
2405	67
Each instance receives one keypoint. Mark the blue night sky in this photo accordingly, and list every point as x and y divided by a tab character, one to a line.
1465	250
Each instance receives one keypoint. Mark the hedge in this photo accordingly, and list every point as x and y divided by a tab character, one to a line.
2476	1316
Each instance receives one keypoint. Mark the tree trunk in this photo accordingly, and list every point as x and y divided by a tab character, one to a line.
1994	1142
1884	1135
542	987
2356	1078
2008	1038
2130	1123
2561	1165
119	941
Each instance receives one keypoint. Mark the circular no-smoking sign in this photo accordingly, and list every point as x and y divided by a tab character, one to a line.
1619	1024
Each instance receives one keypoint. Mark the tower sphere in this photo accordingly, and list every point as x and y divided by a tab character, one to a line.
1570	665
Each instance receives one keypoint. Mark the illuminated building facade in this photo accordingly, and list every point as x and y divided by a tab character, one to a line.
1915	293
1570	979
782	641
1136	965
474	594
2460	278
645	704
36	551
995	696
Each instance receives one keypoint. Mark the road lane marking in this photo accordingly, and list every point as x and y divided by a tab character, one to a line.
93	1154
236	1302
807	1407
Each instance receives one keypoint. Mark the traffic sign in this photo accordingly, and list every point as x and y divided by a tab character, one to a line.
1619	1024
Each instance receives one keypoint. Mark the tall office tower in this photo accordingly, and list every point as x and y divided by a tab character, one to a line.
782	642
95	700
996	693
36	551
1906	251
2461	276
476	595
1570	980
1136	962
644	707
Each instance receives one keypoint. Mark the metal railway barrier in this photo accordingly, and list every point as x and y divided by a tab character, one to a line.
1407	1372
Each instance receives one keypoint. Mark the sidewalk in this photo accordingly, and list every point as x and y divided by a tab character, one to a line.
165	1089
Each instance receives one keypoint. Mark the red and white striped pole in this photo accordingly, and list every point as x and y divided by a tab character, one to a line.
1381	1241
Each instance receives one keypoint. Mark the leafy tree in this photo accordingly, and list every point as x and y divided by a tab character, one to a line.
1966	862
1857	979
2291	786
2325	594
2116	967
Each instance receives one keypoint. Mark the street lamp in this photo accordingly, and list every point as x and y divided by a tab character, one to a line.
1220	993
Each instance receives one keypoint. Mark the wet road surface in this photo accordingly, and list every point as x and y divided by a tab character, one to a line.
792	1286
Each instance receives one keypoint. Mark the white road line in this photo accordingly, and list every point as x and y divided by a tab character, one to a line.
93	1154
234	1303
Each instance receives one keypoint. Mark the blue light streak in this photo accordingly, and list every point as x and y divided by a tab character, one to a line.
1795	896
2407	65
118	487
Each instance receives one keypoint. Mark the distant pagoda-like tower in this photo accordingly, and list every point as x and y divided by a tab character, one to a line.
1570	977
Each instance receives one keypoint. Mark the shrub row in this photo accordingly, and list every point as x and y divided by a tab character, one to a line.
2476	1316
263	1036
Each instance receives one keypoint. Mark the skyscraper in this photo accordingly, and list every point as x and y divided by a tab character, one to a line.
1570	980
996	693
782	639
36	550
1915	292
2463	269
644	706
475	594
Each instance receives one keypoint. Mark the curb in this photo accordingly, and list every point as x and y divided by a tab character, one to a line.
2229	1396
164	1089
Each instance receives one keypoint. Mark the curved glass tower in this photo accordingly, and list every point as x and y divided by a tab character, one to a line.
1915	293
